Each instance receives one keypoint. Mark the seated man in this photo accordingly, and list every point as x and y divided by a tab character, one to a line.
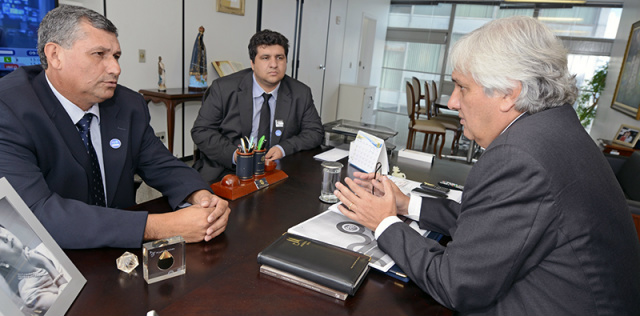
233	107
543	227
71	140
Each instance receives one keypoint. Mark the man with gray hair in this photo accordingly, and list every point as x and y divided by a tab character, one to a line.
543	227
71	140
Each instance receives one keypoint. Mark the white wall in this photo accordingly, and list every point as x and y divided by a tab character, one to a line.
156	27
608	120
378	10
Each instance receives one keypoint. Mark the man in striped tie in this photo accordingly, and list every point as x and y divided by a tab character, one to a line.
72	139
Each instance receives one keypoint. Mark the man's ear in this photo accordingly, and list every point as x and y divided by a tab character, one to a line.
509	99
54	55
251	64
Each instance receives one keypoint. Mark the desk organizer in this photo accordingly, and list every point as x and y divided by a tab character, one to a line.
232	188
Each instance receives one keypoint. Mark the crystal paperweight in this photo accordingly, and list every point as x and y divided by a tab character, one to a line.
127	262
163	259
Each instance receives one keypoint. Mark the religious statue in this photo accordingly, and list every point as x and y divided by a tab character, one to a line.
161	76
198	68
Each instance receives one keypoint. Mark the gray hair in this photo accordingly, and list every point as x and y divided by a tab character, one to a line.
61	26
517	49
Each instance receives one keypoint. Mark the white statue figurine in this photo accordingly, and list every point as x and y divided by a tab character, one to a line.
161	75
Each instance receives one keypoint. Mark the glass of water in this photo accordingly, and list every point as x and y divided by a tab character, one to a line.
330	175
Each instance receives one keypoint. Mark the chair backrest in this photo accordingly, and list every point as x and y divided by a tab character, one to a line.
628	176
416	90
410	102
434	91
428	100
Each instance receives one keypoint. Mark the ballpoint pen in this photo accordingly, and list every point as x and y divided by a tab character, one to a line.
260	143
378	168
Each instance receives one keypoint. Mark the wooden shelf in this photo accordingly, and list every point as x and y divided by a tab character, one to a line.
614	149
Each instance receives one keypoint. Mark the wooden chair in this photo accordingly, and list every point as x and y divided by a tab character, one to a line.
434	96
450	122
427	127
417	96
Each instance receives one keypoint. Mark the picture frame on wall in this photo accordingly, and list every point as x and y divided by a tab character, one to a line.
36	277
230	6
626	98
627	136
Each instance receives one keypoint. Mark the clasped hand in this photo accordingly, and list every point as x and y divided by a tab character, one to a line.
205	219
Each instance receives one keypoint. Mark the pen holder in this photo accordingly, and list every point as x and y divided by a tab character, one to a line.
244	166
258	162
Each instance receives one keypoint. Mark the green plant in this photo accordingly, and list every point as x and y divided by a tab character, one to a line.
590	95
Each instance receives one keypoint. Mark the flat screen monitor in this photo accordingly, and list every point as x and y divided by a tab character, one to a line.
19	21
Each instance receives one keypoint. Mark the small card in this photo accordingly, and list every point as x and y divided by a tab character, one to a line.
163	259
261	183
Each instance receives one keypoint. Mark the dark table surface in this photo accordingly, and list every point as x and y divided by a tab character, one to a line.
223	277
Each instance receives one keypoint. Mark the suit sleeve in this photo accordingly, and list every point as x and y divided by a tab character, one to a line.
311	132
501	228
161	170
207	132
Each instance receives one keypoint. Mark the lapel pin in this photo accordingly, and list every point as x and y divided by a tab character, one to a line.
278	132
115	143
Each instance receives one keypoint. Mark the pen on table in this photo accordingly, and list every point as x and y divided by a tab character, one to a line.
375	173
261	142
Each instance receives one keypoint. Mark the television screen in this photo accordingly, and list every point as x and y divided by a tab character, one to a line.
19	21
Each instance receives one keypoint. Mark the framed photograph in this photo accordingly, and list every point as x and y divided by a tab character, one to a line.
226	67
36	277
230	6
627	135
626	98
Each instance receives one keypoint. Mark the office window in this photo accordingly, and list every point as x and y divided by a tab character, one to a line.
420	16
418	38
582	21
402	61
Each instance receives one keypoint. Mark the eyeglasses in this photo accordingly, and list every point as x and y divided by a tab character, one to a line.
378	168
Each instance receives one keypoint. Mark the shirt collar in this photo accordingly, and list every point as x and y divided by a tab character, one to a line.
258	91
74	112
506	128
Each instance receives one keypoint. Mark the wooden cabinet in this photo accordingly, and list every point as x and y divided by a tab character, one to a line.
355	103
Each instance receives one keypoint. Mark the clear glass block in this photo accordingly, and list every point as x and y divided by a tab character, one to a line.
163	259
127	262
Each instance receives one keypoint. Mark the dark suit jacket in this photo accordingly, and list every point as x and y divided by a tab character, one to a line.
42	156
543	229
226	116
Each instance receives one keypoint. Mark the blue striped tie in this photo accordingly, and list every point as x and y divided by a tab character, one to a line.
96	187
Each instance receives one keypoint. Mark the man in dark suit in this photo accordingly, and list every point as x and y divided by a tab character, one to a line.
71	140
233	106
543	227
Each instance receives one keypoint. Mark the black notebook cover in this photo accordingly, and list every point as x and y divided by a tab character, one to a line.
333	267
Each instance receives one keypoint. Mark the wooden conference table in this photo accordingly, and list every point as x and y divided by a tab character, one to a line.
223	275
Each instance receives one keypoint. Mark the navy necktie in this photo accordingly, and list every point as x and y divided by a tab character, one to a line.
96	187
265	120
